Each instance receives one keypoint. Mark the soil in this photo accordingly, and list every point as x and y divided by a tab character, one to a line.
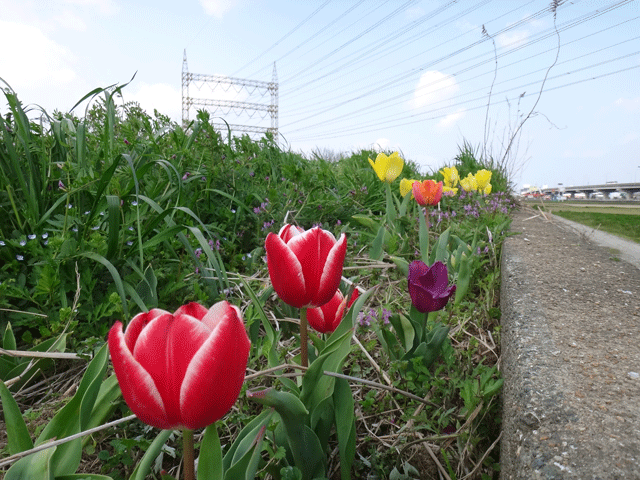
571	355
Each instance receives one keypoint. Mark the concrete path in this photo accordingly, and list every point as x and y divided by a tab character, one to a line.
628	251
570	354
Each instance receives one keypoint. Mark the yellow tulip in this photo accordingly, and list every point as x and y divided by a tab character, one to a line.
483	177
405	187
387	167
449	191
469	184
451	176
487	189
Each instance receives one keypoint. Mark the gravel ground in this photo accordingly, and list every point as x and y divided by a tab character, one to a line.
571	355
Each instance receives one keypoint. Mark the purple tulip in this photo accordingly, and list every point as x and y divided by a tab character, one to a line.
428	286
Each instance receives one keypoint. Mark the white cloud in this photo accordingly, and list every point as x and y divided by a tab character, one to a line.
382	143
217	8
33	59
165	98
105	7
433	87
630	104
513	39
70	21
451	119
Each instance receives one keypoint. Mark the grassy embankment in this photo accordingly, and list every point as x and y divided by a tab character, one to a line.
622	220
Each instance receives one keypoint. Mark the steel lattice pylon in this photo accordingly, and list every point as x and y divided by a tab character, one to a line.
239	108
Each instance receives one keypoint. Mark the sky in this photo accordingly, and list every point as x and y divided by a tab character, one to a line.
421	77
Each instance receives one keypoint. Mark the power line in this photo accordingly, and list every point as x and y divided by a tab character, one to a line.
397	11
365	128
284	37
323	29
378	88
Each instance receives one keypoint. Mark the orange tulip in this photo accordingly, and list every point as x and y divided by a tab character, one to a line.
427	193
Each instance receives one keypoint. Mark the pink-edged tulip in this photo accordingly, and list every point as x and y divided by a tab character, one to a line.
182	370
305	267
428	286
325	319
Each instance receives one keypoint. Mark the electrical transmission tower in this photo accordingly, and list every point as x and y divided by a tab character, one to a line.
241	109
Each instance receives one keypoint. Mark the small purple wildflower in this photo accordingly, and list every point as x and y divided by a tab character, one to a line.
61	185
186	175
198	252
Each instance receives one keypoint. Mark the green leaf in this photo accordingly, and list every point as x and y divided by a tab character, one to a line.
304	443
440	251
247	466
144	467
35	466
18	438
243	442
378	244
345	426
74	416
105	403
401	263
423	236
8	339
83	476
113	210
114	274
210	458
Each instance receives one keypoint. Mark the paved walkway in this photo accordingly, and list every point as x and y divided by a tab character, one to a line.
570	355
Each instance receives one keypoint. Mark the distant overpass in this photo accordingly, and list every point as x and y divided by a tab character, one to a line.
606	189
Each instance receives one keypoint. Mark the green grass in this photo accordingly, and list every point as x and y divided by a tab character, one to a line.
622	225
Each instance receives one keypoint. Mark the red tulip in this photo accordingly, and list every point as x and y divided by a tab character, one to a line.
427	193
326	318
305	268
183	370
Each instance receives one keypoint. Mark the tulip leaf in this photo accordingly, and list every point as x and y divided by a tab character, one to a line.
144	466
210	459
105	403
37	465
401	263
378	243
18	438
243	442
404	329
84	476
345	426
367	221
247	466
440	251
304	443
74	416
464	277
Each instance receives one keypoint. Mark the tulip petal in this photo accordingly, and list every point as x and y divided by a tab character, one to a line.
165	349
193	309
285	271
312	249
138	387
216	371
332	271
137	323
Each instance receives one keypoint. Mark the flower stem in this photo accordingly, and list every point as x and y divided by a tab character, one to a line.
304	355
423	235
188	456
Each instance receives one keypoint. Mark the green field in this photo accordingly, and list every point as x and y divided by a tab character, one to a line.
622	220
